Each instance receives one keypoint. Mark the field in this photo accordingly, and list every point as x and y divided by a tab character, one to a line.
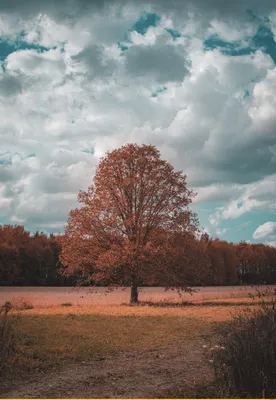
48	296
104	350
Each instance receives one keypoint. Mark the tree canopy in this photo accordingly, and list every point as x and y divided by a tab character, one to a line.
131	221
27	259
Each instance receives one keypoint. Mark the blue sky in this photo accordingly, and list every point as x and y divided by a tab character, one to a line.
196	79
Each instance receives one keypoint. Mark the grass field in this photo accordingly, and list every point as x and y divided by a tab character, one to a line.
83	296
53	338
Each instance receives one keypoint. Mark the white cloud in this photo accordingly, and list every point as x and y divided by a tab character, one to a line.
217	193
221	232
272	244
49	64
4	201
232	31
87	93
262	110
255	196
240	207
264	230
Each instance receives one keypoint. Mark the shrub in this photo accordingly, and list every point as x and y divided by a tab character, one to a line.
245	361
22	304
66	305
27	306
7	341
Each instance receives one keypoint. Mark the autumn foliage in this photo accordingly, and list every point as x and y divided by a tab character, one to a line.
131	221
134	228
33	260
28	259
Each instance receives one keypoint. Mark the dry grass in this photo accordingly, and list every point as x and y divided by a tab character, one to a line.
49	337
7	343
248	350
83	296
215	311
22	303
205	314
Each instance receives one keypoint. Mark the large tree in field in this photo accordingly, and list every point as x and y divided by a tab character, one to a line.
131	222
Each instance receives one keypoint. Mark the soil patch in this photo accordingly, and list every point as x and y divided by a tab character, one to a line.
147	374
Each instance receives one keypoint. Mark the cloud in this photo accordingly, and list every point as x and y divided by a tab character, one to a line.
95	75
264	230
9	86
221	232
262	110
241	206
256	196
272	244
231	32
31	63
97	63
161	63
4	201
217	193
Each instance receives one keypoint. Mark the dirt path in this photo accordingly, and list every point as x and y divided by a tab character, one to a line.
139	375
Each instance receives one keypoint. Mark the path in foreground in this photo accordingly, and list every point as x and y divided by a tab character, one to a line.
147	374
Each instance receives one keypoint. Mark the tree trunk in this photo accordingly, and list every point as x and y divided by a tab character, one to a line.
134	294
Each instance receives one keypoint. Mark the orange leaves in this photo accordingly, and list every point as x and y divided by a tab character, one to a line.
135	195
27	259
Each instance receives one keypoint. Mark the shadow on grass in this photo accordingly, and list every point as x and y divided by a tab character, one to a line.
190	304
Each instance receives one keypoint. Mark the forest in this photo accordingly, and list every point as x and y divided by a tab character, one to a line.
33	260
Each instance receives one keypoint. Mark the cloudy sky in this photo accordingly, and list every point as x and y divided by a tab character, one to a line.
197	79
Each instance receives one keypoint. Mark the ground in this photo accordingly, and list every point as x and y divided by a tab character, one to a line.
114	351
46	296
147	374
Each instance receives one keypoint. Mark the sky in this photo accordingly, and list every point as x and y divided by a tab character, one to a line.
195	78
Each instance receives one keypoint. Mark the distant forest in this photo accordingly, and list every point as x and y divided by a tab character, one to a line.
33	260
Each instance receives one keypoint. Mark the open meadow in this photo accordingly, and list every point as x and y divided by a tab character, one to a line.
84	296
104	350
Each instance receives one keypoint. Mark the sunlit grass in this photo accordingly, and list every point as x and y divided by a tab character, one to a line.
215	310
49	337
211	313
54	336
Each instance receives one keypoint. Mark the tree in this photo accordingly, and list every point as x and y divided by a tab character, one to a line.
246	260
130	221
28	260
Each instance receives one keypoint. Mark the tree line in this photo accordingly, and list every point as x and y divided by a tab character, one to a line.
134	227
33	260
29	260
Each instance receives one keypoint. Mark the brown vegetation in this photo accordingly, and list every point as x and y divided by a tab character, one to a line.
27	260
132	224
245	361
7	339
61	350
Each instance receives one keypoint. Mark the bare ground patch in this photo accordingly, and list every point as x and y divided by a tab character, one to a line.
112	351
145	374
